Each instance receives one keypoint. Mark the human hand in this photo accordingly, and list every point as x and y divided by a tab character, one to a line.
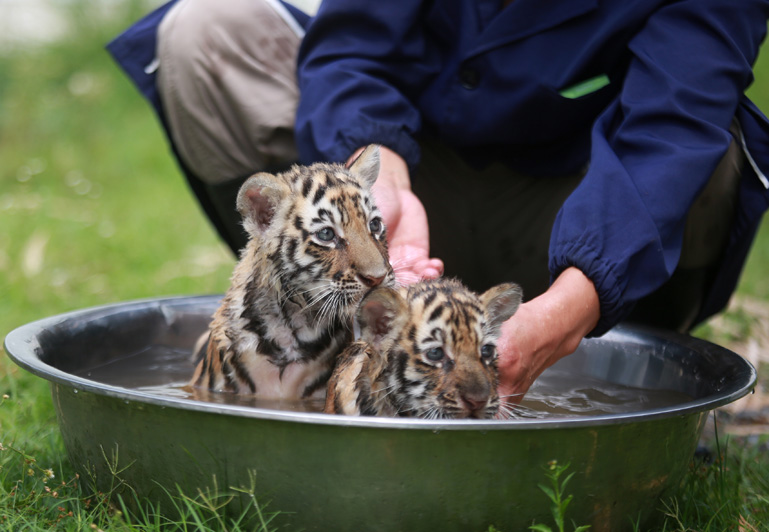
544	330
408	236
406	220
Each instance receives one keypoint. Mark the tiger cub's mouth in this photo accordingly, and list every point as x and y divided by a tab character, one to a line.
489	409
340	299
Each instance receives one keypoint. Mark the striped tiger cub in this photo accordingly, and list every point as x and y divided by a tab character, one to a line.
426	350
317	244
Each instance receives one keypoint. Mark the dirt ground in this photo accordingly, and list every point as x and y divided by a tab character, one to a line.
745	330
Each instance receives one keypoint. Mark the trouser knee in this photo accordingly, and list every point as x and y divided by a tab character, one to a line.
228	86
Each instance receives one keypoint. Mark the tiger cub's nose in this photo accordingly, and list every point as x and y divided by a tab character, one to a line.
476	402
371	280
475	396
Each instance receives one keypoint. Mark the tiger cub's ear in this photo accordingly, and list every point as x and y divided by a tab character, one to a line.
259	198
366	166
380	317
501	302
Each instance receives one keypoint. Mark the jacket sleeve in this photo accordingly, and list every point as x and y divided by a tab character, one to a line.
358	68
655	147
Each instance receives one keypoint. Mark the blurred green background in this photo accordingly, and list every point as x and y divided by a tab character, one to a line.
92	206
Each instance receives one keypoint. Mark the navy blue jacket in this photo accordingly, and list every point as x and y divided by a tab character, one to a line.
642	90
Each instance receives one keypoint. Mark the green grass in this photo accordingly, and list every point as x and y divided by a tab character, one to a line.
731	492
556	492
93	210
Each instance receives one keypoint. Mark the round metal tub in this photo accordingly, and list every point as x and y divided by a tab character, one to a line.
341	473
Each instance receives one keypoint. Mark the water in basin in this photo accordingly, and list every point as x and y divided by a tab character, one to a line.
558	393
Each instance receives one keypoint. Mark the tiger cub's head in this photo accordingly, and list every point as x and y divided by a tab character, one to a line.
320	233
439	343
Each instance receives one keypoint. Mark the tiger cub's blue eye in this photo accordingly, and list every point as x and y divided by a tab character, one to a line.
326	234
488	351
375	225
435	354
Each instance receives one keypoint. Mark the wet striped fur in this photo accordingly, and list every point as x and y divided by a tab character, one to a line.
427	350
316	245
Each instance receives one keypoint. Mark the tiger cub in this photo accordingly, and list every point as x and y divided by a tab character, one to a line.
317	244
426	350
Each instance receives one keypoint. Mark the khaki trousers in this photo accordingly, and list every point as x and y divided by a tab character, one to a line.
228	87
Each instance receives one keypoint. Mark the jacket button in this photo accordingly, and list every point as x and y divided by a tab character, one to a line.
469	78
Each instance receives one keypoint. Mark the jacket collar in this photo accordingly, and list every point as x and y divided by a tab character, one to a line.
523	18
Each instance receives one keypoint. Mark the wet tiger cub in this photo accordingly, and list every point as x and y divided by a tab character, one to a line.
427	350
316	245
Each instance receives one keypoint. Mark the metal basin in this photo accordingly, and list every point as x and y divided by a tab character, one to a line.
340	473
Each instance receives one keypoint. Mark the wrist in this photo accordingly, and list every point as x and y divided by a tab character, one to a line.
572	304
393	170
546	329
